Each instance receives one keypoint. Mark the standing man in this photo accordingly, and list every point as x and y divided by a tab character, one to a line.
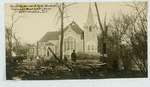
73	56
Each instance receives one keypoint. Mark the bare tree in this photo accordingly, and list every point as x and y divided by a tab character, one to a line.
132	29
61	10
10	35
103	29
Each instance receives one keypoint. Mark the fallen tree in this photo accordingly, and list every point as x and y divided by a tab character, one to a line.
60	61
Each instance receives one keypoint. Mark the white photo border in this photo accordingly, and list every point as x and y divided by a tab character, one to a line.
120	82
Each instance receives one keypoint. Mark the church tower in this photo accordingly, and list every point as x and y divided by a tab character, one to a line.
90	33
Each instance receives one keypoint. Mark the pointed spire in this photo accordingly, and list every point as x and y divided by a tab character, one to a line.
90	19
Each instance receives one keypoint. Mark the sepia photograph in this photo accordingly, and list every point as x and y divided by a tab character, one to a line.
76	40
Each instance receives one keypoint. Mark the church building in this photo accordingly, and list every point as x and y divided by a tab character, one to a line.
75	38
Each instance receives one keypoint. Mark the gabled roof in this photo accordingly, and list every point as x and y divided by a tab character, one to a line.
55	34
75	27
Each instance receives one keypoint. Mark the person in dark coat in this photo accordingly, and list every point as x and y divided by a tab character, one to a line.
73	56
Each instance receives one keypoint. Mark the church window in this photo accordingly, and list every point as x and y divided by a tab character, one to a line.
90	28
48	53
74	42
88	47
69	43
64	45
92	47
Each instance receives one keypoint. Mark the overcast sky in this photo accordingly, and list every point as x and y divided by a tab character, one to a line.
32	26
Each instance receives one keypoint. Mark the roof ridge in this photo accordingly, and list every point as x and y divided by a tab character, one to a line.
54	35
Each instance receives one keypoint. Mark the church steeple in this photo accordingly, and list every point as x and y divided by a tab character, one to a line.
90	32
90	19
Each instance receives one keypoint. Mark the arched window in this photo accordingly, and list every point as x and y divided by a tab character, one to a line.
74	42
91	47
65	45
69	43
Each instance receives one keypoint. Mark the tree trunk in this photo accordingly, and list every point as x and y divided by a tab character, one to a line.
37	52
62	32
103	30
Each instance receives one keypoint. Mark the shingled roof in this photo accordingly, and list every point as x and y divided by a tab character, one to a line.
54	35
